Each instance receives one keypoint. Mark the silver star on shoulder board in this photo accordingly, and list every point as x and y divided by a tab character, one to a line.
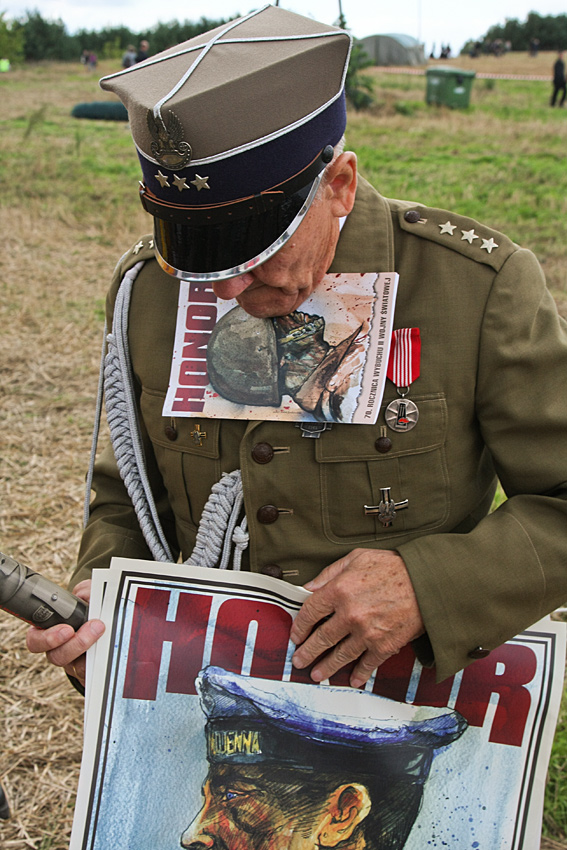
447	227
469	235
137	247
200	183
180	182
151	244
489	245
162	180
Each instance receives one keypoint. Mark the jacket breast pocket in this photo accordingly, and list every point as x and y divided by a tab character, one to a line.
353	472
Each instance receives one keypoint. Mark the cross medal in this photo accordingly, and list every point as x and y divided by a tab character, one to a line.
386	510
403	369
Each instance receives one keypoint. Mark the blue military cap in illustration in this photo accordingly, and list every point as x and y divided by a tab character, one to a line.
307	727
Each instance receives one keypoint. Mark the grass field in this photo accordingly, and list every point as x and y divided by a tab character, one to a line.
68	209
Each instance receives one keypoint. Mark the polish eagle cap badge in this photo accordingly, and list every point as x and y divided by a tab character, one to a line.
168	147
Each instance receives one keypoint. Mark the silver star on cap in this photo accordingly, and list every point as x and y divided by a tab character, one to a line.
469	235
137	247
489	245
200	182
162	180
180	182
447	227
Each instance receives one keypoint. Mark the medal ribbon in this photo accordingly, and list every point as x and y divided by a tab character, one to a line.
405	357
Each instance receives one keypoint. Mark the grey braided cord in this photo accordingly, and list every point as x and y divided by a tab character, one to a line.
123	423
217	529
96	431
240	539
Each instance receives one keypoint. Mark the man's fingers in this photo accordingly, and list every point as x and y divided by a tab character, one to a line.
366	667
77	669
62	644
328	634
343	653
83	590
82	640
43	640
311	612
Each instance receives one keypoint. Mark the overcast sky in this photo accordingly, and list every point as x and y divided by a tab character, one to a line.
430	21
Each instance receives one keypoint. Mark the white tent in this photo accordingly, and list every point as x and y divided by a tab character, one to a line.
393	49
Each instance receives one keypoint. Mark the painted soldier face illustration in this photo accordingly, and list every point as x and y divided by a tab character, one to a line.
246	808
287	772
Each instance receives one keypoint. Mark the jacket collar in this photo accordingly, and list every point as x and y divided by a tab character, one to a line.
366	243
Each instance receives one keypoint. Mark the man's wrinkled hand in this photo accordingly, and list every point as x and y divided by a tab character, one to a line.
363	608
65	647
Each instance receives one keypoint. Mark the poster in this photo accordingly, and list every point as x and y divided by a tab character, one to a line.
200	733
325	362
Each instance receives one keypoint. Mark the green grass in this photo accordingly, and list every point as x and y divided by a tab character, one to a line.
555	805
502	160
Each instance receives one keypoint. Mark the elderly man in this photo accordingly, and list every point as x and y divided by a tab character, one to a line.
253	198
297	768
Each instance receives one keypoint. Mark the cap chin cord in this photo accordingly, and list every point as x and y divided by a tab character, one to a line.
217	529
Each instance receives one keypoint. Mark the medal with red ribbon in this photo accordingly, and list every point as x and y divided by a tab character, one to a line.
403	369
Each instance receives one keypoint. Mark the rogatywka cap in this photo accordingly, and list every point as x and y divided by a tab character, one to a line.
233	130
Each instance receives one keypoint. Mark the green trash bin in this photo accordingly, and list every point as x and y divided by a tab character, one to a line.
449	86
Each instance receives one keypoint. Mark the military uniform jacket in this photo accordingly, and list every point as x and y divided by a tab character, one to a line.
492	400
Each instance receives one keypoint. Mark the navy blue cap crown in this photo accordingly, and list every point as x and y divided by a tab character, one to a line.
254	720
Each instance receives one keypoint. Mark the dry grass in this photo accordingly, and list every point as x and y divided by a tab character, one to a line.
511	63
54	272
49	367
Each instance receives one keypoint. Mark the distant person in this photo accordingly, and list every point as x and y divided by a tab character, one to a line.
89	59
534	46
129	57
143	50
498	47
559	81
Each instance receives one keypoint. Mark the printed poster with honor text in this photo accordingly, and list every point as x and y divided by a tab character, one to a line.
199	733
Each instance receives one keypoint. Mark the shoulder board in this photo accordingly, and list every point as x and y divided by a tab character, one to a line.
143	249
456	232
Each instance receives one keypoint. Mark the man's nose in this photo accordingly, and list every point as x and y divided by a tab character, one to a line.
192	841
232	286
199	835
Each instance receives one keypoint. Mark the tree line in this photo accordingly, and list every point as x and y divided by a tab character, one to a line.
550	32
32	38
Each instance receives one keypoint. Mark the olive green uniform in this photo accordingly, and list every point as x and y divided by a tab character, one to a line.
492	402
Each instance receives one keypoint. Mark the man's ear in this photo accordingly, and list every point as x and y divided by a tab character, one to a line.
344	810
341	180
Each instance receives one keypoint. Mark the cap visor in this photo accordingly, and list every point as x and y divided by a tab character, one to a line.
228	248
